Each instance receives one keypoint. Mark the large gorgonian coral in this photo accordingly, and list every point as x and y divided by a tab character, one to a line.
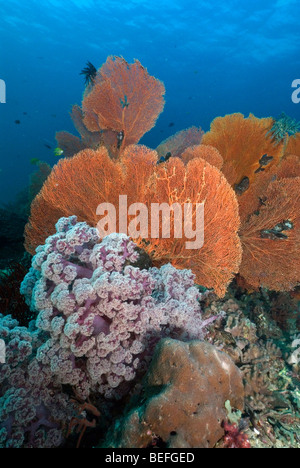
270	230
124	98
242	143
102	314
119	106
78	185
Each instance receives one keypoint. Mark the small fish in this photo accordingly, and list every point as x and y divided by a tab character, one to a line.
165	158
24	113
35	161
272	234
120	138
265	160
58	152
47	146
260	169
17	122
161	160
171	124
242	186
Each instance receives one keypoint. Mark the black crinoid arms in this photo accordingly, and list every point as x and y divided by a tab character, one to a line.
90	73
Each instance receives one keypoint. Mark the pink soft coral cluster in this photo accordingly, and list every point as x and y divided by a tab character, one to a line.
104	315
32	408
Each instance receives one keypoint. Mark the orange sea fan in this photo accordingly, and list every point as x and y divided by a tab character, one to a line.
271	238
218	259
75	186
178	143
124	98
253	198
78	185
206	152
242	142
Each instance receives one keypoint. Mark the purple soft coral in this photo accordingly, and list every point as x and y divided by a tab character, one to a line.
33	409
102	314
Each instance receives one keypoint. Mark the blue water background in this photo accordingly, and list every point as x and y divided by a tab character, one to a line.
215	58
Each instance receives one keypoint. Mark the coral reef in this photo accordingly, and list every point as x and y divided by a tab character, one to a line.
184	397
103	315
101	303
262	352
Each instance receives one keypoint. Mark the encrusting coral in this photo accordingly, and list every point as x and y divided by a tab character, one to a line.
102	314
183	403
78	185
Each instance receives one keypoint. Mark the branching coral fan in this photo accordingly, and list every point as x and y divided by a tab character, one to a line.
124	98
242	142
102	314
78	185
267	185
118	108
270	231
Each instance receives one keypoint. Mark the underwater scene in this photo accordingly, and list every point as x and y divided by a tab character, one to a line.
149	226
